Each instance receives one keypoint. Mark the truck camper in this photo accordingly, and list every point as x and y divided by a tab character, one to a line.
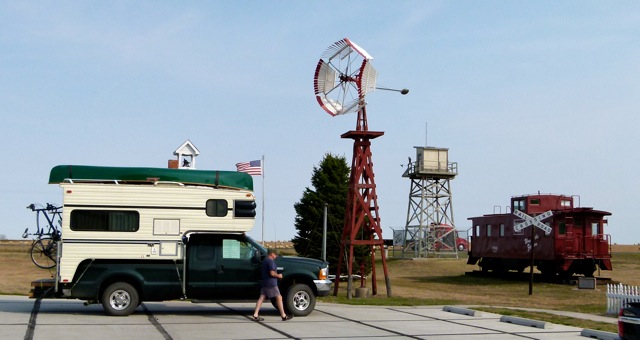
130	235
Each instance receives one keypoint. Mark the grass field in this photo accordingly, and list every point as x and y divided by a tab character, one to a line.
414	282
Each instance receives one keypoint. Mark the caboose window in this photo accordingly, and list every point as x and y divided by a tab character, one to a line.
501	229
477	230
565	203
562	228
518	205
534	201
594	228
488	230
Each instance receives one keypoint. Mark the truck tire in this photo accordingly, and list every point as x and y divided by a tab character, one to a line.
299	300
120	299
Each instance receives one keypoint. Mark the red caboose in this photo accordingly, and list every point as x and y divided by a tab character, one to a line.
576	244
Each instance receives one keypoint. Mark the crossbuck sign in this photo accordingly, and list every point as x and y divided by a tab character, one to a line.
534	221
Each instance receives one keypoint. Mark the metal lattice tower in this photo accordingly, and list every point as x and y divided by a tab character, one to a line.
430	228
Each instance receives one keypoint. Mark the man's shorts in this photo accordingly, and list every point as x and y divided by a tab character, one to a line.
270	292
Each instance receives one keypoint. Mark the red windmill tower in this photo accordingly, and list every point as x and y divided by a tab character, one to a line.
343	77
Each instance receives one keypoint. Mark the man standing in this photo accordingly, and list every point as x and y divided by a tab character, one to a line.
269	288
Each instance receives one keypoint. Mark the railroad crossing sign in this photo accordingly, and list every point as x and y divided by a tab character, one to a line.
534	221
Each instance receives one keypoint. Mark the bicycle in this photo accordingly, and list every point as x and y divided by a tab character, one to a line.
44	249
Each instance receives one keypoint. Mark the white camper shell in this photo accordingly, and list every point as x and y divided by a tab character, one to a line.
112	220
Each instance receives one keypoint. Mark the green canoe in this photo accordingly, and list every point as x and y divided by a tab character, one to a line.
215	178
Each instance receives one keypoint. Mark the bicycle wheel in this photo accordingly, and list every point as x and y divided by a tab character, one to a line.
44	252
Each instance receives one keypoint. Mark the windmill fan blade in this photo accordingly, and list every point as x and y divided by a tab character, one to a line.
368	79
330	106
359	49
325	79
343	48
339	48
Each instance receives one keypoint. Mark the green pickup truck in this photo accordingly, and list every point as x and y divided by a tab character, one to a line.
129	235
216	267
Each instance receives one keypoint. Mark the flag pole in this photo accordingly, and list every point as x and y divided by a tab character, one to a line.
263	200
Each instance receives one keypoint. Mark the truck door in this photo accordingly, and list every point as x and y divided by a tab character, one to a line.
239	276
203	266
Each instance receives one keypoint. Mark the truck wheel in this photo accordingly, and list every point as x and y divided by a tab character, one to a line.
120	299
300	300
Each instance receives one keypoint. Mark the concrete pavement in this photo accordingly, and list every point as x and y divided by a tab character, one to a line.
22	318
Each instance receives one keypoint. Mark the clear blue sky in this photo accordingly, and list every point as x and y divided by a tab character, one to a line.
527	95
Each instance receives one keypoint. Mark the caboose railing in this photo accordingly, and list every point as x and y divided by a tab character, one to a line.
596	246
619	295
600	244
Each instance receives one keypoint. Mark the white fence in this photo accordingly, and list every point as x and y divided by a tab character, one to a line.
619	295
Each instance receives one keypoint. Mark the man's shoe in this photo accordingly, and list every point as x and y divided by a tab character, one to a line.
288	317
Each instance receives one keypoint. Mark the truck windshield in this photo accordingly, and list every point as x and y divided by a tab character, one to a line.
257	245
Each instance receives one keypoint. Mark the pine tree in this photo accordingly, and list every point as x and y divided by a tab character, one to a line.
330	182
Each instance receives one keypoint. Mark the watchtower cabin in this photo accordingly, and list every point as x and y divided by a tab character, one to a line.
576	243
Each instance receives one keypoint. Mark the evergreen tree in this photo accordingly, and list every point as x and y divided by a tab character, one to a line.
330	182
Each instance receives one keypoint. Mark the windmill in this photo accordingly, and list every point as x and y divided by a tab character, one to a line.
343	76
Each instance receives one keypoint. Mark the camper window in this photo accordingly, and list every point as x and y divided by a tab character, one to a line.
105	220
217	208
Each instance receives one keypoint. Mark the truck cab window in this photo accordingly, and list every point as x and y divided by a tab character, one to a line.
235	249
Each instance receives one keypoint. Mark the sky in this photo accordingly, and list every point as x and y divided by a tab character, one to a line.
528	96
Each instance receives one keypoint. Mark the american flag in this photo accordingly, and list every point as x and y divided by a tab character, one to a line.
253	168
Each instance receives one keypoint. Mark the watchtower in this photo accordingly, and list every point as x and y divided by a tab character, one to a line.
430	228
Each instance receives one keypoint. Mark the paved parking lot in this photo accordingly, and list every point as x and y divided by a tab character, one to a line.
21	318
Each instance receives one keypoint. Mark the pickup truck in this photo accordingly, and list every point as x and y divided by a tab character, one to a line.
216	267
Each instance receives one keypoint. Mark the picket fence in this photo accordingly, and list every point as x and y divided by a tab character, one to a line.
619	295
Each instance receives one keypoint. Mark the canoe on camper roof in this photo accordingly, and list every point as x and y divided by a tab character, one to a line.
233	179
